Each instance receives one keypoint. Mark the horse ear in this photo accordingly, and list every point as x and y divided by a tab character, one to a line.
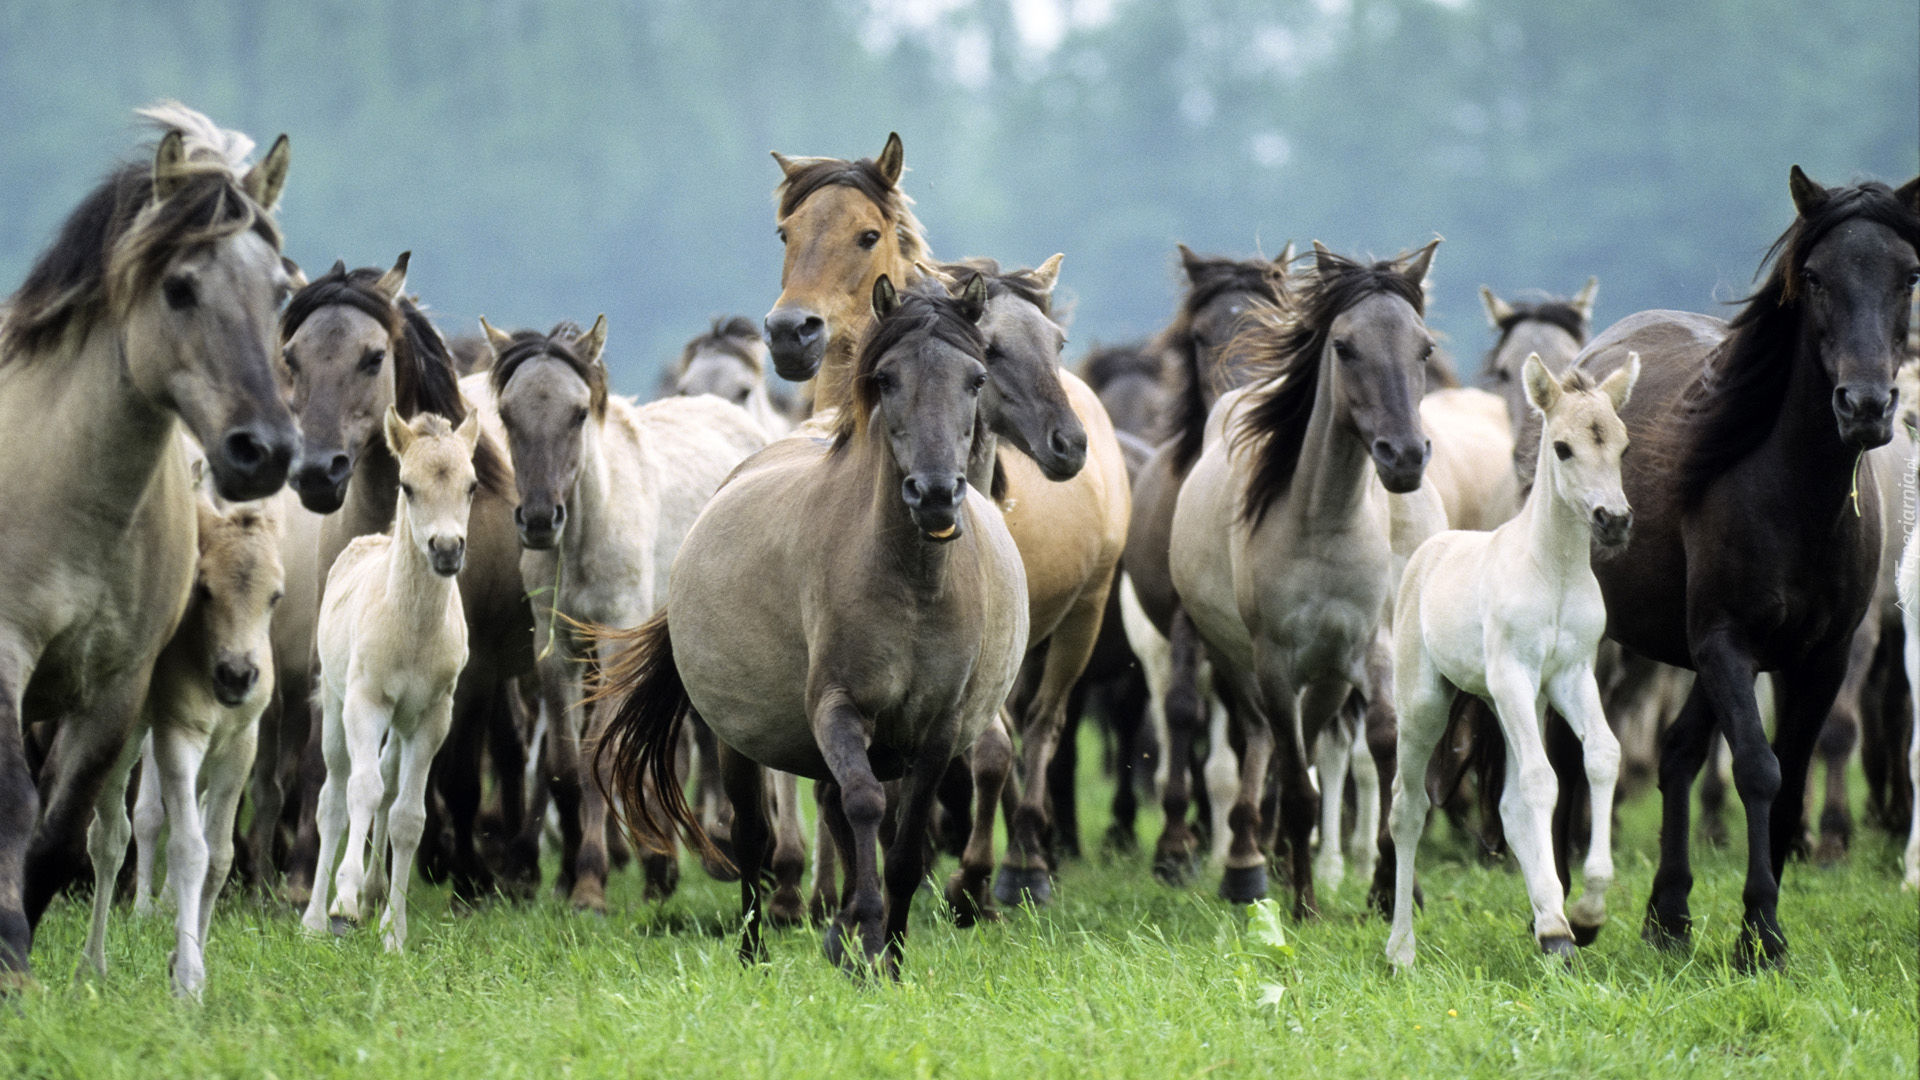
399	435
394	280
338	269
884	298
892	159
1619	386
973	298
1285	258
469	430
497	340
1420	263
296	277
1543	390
1909	195
1190	262
1047	274
264	181
1583	300
934	273
590	346
1498	310
1808	197
1323	260
169	166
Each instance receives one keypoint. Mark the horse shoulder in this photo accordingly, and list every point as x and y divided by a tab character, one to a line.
1206	552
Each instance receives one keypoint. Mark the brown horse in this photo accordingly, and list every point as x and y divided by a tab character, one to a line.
1750	550
153	307
354	344
794	643
1221	294
1070	525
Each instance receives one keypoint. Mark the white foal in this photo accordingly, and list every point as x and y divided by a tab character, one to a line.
392	642
1515	616
199	723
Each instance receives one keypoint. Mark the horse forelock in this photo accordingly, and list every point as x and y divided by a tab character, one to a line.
558	343
865	177
919	315
1021	284
1281	354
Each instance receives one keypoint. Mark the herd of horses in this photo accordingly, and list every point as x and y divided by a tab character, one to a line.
421	601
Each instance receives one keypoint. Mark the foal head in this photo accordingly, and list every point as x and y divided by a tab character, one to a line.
1581	442
549	386
844	224
918	383
437	482
728	362
236	585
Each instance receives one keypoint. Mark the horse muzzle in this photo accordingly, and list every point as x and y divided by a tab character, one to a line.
540	529
1400	465
1065	455
797	339
447	556
1865	415
251	462
934	503
233	682
321	481
1612	531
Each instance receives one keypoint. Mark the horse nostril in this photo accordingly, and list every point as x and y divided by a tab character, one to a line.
338	468
245	451
910	490
559	515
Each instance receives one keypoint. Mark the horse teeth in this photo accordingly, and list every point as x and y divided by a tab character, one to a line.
944	533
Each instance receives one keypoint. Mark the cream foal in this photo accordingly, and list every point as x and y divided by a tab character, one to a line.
1515	616
392	642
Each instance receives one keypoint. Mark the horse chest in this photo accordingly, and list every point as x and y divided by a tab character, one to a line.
1790	591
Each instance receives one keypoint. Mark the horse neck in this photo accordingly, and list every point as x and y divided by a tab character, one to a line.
416	595
833	383
118	437
904	554
1330	478
1558	538
1811	467
589	501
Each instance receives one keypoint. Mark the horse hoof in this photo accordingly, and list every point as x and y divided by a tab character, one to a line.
1243	884
1667	935
1754	954
1561	946
1119	840
1173	871
1016	885
662	877
784	909
969	901
1831	851
1584	936
341	926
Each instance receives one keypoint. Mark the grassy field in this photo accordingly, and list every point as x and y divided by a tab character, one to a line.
1120	977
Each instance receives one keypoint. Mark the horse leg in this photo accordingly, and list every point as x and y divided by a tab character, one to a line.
1713	792
566	765
1183	709
1911	656
990	760
85	749
1669	924
507	751
1577	695
842	733
1423	699
590	871
1838	738
178	752
107	847
745	785
374	888
1317	710
269	798
827	895
907	857
226	772
1331	751
1062	774
1132	751
1222	774
710	799
789	860
329	808
1526	806
1379	744
1804	700
1364	846
522	867
1243	878
148	818
457	776
409	812
315	766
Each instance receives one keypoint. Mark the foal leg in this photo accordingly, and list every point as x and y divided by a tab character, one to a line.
745	785
178	752
366	722
1526	806
148	818
1576	694
226	771
1423	698
330	810
842	733
409	812
990	760
107	847
1364	846
789	853
374	889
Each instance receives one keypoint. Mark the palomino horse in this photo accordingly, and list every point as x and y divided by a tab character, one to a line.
1514	616
608	490
209	689
355	345
794	643
1282	547
154	306
392	642
730	362
1070	525
1221	294
1751	550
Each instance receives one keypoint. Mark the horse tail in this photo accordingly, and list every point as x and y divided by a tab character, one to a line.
638	747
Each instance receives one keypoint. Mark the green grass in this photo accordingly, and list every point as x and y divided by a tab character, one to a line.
1121	977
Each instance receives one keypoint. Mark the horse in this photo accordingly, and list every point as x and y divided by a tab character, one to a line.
876	644
152	309
1221	293
392	639
196	734
1129	382
1282	547
1552	327
1068	515
730	362
1909	584
1753	548
607	491
354	344
1514	616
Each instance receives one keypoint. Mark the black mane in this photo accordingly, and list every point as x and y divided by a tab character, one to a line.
1209	279
558	343
917	314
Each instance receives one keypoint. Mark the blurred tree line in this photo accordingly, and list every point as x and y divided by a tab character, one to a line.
548	161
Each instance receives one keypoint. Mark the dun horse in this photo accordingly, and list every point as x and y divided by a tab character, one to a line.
730	362
1751	550
154	306
795	643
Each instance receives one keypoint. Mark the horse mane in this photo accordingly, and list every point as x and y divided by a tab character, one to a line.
734	336
115	245
917	314
557	343
1552	310
1186	420
1733	403
1282	351
865	177
1103	365
1023	284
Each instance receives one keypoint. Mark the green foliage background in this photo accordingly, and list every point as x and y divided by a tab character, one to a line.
548	161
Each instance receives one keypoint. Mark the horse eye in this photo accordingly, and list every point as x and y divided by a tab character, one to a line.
179	293
882	381
293	365
407	490
274	600
1563	450
979	380
1913	280
782	234
869	238
370	363
579	417
1343	350
1812	280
